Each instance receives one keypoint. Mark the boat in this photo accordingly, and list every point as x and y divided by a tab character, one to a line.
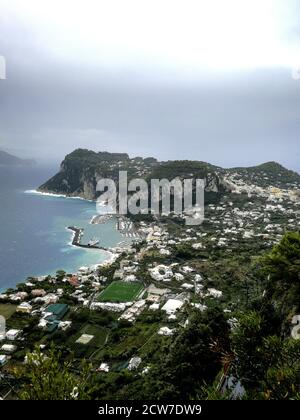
93	242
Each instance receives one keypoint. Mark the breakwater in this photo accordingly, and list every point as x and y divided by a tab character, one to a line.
76	241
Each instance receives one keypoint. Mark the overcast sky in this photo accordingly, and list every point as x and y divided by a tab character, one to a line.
196	79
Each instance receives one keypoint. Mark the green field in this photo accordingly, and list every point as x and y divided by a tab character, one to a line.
7	310
86	350
120	291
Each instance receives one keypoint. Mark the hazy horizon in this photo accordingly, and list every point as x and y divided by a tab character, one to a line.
211	81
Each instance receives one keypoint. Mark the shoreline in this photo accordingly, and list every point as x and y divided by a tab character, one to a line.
77	236
49	194
109	256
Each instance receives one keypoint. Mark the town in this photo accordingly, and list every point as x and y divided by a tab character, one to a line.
113	313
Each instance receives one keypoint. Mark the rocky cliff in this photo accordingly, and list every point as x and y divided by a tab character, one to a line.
81	170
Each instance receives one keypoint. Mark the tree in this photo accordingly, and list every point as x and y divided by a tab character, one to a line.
281	380
189	361
60	274
246	343
283	263
47	377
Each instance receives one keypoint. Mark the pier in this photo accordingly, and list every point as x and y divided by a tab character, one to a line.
77	237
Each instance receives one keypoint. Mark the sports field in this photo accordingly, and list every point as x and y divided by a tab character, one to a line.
99	335
120	291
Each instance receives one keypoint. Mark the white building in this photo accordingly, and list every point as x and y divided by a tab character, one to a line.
154	307
3	359
166	331
24	307
172	305
161	273
13	334
64	325
214	293
104	367
8	348
134	363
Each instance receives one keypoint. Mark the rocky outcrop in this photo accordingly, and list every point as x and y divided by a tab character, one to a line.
81	170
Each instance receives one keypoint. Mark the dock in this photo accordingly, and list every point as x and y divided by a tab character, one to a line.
77	237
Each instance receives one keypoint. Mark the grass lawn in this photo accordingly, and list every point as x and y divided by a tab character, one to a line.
139	336
120	291
97	342
7	310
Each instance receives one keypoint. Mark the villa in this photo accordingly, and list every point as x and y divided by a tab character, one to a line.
24	307
13	334
172	305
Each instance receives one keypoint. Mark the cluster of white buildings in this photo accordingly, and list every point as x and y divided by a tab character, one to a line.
8	344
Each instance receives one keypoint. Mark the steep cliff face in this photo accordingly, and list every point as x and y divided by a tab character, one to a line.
81	170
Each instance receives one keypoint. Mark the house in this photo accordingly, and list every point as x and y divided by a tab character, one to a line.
214	293
134	311
24	307
13	334
38	292
130	278
84	270
165	252
3	359
58	310
178	277
110	306
73	281
18	297
187	286
199	306
48	299
166	331
134	363
52	316
172	305
161	273
155	293
104	367
29	284
154	307
64	325
8	348
41	278
43	323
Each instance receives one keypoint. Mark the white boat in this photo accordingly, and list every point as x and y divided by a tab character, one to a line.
93	242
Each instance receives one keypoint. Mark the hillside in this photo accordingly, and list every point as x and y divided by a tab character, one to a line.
81	169
267	174
10	160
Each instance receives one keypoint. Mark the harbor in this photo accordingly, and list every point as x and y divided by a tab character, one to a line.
76	241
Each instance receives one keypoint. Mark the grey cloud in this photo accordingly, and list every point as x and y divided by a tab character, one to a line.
49	107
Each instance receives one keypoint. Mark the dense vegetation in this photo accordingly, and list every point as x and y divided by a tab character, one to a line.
81	169
254	349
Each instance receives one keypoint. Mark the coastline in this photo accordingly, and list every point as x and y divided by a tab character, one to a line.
110	254
48	194
76	234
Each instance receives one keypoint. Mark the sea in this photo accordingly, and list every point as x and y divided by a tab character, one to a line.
34	239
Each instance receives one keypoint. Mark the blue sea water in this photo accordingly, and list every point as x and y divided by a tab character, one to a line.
33	235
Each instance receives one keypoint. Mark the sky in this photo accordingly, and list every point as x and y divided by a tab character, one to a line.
176	79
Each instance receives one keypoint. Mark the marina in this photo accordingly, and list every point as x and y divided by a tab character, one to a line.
76	241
